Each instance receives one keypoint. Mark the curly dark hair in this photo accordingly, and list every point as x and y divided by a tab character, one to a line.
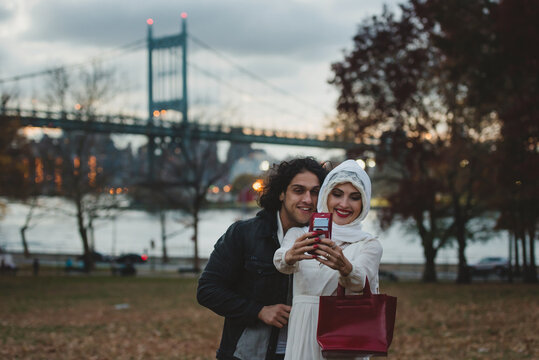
279	177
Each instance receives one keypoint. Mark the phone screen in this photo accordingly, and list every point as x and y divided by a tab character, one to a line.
321	222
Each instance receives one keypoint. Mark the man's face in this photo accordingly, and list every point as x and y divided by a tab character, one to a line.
299	200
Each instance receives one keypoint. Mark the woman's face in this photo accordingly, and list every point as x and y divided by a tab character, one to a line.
344	202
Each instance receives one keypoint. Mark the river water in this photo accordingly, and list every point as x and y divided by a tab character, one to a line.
133	231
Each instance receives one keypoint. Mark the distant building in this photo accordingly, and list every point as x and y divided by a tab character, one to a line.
255	163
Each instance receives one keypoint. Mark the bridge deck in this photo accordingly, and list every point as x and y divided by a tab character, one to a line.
124	124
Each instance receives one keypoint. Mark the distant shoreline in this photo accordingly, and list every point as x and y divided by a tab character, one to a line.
411	271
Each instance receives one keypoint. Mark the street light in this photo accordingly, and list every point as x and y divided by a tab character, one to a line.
371	163
264	165
257	185
361	163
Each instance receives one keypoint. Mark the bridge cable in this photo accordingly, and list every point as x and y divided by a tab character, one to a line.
256	77
135	45
231	87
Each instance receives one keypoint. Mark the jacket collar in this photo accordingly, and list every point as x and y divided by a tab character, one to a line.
269	218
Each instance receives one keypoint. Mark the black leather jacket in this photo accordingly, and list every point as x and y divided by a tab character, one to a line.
239	280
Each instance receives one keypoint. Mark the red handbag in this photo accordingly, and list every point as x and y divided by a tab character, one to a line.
356	325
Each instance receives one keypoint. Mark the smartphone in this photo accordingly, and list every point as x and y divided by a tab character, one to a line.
321	222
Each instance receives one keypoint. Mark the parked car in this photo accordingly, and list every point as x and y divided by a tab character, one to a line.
387	275
491	265
96	257
131	258
125	264
123	269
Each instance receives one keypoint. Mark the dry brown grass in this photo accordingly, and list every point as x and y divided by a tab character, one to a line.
479	321
76	318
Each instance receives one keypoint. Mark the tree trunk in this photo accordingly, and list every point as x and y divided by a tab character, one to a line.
91	238
88	259
429	272
429	252
26	226
531	275
463	273
196	260
24	242
163	220
524	253
517	260
510	257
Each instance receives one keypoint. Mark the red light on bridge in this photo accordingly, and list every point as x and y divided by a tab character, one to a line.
149	21
144	257
184	15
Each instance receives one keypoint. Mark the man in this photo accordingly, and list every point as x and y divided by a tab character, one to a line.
240	281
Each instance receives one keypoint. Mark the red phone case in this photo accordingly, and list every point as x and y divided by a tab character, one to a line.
325	221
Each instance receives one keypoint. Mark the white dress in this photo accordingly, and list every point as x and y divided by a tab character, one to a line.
312	279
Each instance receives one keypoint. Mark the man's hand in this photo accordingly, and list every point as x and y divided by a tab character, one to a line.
275	315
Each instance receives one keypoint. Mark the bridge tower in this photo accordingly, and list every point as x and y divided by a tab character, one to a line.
167	83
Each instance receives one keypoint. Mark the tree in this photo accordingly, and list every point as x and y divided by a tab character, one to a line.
382	84
58	89
519	111
187	169
14	174
401	102
518	106
84	181
203	170
15	182
156	200
490	46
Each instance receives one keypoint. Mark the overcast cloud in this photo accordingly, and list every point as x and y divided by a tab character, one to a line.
290	43
243	27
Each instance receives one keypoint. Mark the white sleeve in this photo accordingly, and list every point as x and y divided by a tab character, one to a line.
365	263
288	241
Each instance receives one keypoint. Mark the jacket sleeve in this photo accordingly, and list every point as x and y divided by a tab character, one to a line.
288	242
365	263
216	285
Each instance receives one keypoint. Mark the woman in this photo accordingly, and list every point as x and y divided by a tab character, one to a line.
347	258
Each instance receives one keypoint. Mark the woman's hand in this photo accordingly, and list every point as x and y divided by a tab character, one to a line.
331	255
305	243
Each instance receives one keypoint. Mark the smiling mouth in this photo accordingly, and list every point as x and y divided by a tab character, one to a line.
342	213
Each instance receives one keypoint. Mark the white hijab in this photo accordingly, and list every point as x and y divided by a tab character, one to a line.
347	171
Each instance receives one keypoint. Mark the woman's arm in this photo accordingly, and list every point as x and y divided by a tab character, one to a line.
365	264
295	244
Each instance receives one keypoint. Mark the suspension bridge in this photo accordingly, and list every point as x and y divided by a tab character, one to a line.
206	114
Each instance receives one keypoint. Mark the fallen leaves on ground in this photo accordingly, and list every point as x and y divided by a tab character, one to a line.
159	318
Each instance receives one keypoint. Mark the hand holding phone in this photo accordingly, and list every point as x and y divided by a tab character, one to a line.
321	223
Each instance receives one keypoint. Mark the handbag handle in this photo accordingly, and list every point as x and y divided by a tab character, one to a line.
366	290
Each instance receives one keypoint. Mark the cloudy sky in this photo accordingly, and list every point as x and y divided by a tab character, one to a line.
288	43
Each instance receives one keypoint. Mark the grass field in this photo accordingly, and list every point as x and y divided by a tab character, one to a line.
103	317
